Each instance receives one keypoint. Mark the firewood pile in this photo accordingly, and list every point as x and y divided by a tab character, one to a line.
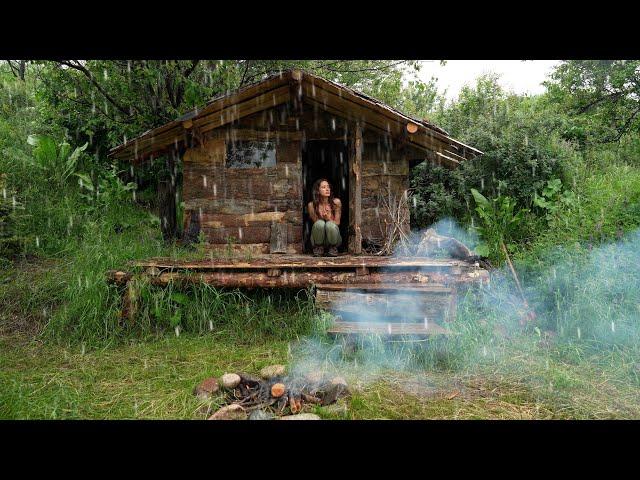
273	394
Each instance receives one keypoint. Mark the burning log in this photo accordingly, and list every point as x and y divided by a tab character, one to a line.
277	390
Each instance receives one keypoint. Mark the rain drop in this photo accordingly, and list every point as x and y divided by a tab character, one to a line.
579	334
613	326
204	181
37	241
210	325
177	330
4	193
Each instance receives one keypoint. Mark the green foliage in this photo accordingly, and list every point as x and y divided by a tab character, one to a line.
110	188
10	242
554	201
600	98
499	224
57	162
522	152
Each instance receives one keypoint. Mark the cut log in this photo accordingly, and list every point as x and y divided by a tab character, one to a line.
278	389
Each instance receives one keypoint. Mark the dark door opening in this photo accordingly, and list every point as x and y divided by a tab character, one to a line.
325	159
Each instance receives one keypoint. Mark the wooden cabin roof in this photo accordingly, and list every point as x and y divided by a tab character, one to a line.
311	89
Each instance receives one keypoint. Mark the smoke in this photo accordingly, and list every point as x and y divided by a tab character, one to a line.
582	296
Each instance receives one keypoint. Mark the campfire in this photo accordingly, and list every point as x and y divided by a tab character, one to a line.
273	394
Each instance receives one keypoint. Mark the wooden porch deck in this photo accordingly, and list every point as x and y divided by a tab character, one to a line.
396	288
301	262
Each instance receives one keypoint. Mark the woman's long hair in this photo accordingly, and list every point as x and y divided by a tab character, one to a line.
315	196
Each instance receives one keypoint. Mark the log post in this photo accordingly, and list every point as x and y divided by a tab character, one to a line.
355	192
167	197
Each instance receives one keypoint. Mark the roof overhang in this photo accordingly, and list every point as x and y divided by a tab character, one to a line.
311	90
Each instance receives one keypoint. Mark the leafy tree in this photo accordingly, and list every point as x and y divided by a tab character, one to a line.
521	144
601	97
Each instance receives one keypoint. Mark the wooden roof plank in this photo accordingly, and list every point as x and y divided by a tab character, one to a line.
342	100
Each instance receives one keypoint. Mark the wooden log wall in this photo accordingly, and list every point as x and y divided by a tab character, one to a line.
238	205
385	170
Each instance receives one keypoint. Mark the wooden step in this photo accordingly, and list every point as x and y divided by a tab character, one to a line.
392	301
409	288
386	329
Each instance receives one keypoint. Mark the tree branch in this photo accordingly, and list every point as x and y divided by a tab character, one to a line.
626	125
82	69
189	71
244	74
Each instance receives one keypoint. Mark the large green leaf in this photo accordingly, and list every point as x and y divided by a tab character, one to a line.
45	150
479	198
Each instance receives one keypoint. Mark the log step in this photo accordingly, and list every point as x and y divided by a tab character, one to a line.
409	288
383	328
388	301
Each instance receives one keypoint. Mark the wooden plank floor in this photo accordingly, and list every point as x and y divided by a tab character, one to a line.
303	262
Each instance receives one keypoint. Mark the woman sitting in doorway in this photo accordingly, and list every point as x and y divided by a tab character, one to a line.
325	211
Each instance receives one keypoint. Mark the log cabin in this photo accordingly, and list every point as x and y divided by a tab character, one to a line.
248	161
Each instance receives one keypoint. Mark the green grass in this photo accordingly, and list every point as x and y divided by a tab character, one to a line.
155	379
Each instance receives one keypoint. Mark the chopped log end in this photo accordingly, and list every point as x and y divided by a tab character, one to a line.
412	127
230	380
277	390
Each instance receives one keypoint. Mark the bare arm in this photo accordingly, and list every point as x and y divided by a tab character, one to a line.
338	204
312	212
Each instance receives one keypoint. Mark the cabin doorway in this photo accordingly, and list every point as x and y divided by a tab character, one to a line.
325	159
